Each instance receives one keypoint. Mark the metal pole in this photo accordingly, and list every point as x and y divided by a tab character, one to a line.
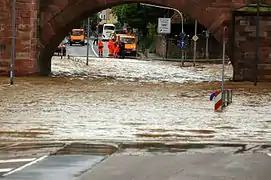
13	42
257	48
207	45
87	41
165	7
223	66
181	14
195	43
61	49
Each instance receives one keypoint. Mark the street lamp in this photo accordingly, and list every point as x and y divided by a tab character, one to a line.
13	42
165	7
195	43
207	36
257	47
87	41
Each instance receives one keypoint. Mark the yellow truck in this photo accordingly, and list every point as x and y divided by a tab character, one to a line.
130	43
77	36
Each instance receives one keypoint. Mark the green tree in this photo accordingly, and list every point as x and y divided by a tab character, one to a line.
137	16
94	18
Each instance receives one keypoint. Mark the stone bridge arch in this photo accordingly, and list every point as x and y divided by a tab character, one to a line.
58	17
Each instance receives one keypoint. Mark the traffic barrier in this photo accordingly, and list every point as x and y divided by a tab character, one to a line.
221	99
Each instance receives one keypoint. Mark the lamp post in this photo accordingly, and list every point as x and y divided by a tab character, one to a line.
257	44
195	43
207	35
13	42
165	7
87	41
181	14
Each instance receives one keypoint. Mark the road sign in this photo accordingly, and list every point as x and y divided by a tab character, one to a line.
164	25
181	44
195	38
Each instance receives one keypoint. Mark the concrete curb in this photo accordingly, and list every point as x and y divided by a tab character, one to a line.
76	59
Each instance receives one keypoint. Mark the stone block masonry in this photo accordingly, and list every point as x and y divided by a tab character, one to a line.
26	40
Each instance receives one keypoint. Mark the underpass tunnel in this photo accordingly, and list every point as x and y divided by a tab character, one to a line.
64	26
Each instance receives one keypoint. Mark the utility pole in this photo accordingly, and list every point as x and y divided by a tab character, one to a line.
182	19
88	40
195	38
257	47
13	42
207	44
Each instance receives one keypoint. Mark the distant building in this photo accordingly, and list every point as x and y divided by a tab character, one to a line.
107	17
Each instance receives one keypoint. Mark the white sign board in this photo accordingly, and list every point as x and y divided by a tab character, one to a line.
164	25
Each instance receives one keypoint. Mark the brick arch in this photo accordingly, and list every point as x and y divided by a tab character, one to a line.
60	16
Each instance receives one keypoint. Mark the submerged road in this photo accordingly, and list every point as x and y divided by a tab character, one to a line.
152	105
81	51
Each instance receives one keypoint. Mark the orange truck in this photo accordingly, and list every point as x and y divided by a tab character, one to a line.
77	36
130	43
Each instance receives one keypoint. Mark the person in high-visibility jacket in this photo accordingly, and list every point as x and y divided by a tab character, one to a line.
100	48
116	50
111	47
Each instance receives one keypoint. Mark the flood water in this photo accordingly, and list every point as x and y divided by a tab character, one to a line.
131	100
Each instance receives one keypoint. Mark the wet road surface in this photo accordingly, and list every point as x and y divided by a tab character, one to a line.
130	100
64	167
211	166
81	51
85	160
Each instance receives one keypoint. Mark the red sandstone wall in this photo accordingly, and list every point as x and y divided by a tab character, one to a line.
26	40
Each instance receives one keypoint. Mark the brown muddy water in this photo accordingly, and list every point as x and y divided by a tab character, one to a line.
131	100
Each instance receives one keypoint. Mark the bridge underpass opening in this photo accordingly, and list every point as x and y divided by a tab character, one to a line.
49	21
57	24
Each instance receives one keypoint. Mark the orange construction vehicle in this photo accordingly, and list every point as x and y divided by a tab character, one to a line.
130	43
77	36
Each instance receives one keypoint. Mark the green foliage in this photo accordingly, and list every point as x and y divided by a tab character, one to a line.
94	18
137	16
148	42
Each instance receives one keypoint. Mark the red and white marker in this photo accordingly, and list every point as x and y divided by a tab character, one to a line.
218	101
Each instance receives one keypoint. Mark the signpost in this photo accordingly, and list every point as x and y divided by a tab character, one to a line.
195	38
207	35
222	97
87	41
225	40
164	25
257	47
13	42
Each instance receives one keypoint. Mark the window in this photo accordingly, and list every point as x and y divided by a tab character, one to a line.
127	40
112	28
77	33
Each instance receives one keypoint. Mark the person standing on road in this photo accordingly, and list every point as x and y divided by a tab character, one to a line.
100	48
122	50
116	50
111	48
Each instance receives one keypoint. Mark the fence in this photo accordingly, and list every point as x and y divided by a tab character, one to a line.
169	47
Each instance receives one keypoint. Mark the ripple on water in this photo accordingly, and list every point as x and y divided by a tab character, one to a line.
106	109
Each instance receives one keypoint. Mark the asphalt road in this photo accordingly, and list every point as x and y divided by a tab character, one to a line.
81	51
61	167
199	166
9	165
